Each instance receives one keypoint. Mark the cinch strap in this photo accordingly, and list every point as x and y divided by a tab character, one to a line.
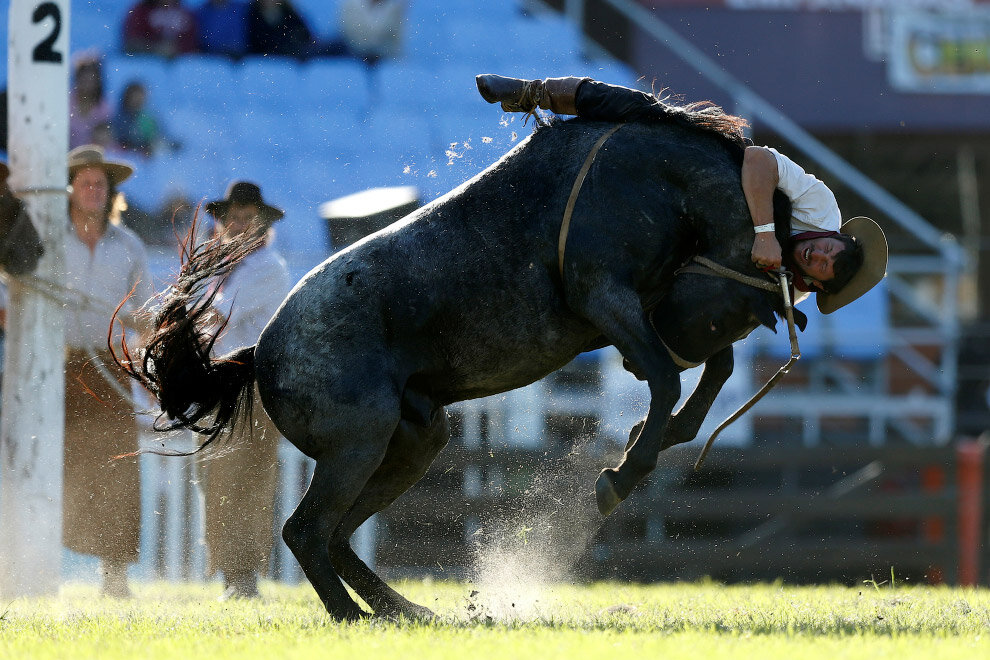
572	200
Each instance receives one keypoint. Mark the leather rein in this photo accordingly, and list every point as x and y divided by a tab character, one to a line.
700	265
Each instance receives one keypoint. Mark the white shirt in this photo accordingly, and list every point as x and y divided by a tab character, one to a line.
813	206
250	296
100	280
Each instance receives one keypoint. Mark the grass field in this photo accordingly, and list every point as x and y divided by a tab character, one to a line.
696	620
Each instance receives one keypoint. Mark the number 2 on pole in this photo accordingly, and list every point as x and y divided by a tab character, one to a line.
44	52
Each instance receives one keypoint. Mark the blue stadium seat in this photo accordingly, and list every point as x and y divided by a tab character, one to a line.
411	86
328	133
400	141
470	40
546	38
267	82
322	16
205	81
335	84
200	131
154	72
152	177
200	176
425	39
92	27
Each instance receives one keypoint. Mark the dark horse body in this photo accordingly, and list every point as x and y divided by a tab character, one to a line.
462	299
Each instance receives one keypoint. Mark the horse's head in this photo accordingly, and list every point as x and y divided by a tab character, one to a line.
20	244
702	314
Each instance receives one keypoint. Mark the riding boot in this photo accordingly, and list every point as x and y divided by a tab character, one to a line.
518	95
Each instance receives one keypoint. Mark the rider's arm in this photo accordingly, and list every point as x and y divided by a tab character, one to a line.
759	180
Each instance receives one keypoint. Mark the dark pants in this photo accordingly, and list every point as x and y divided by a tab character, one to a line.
101	500
603	102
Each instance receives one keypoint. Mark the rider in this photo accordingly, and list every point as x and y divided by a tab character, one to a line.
839	261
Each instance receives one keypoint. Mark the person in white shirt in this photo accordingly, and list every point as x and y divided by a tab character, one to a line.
840	261
105	263
239	483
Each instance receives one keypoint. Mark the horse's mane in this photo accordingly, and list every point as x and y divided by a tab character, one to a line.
707	116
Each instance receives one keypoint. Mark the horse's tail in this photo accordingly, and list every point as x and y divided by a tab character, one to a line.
194	389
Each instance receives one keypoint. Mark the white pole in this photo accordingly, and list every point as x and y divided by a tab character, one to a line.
31	430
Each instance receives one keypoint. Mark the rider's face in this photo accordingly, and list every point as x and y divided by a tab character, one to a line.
816	258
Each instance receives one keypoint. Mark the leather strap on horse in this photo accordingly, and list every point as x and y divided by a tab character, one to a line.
575	190
709	267
785	289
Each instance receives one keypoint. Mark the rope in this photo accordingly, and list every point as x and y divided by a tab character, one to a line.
41	190
722	271
785	290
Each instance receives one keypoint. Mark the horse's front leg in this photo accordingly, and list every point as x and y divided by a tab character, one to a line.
619	315
685	424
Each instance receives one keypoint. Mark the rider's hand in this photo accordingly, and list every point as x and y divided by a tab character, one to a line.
766	251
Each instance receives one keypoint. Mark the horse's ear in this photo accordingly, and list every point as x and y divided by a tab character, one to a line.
765	315
800	319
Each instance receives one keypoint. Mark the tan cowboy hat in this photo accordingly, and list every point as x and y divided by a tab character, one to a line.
869	235
91	155
244	192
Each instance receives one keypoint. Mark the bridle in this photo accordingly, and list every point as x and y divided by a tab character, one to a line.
699	265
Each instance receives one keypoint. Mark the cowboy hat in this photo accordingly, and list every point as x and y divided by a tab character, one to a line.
869	235
91	155
244	192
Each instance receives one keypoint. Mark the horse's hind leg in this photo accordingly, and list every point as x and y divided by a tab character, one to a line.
411	451
338	479
618	313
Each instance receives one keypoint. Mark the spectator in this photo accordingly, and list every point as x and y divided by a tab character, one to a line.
222	27
20	244
103	137
88	107
135	127
160	27
239	484
371	30
104	264
274	27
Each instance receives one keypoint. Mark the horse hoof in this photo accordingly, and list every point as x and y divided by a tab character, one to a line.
605	493
407	611
419	613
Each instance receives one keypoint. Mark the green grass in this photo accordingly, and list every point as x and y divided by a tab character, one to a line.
696	621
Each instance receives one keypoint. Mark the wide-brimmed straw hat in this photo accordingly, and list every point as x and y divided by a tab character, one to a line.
869	235
244	192
92	155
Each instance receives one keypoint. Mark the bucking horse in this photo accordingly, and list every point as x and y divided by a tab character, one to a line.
477	293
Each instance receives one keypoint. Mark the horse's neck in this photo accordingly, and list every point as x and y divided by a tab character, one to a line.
729	246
